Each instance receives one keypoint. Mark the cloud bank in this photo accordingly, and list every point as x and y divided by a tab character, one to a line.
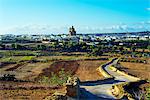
48	29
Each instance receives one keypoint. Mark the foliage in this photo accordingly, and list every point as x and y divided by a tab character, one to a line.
18	53
41	47
8	77
17	46
6	59
148	94
27	58
96	52
56	79
148	47
17	58
138	94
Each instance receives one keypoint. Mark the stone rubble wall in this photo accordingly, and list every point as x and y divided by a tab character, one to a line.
72	87
72	91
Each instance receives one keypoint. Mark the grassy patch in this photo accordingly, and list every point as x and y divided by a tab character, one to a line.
18	53
56	79
27	58
16	58
148	93
10	59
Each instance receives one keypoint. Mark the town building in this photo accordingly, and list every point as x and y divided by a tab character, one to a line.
72	31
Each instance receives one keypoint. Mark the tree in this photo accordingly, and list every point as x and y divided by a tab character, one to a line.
83	46
132	48
55	45
17	46
14	46
148	47
41	47
8	77
3	46
96	52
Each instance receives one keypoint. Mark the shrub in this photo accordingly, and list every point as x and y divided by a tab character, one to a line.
8	77
56	79
133	61
27	58
147	94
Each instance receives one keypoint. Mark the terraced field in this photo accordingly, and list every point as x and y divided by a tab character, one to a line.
84	69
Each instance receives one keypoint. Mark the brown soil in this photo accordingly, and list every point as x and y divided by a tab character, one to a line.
15	67
5	85
68	66
140	70
25	90
84	69
26	71
7	66
87	70
137	69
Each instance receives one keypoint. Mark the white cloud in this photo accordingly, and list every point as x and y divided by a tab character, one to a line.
148	9
48	29
35	29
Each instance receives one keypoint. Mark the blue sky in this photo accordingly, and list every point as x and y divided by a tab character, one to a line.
55	16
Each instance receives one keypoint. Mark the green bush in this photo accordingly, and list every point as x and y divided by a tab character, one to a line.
27	58
8	77
133	60
148	94
56	79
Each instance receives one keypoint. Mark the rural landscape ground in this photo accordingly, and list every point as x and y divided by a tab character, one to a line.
79	68
22	77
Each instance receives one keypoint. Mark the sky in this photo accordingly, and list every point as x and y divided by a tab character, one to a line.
87	16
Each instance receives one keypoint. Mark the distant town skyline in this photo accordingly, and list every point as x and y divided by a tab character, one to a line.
87	16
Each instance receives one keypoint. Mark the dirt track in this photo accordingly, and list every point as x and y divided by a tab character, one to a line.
101	89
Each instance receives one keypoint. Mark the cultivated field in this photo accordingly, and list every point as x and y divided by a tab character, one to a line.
26	91
87	70
141	70
30	73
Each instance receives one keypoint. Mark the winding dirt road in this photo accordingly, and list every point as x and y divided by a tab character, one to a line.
92	90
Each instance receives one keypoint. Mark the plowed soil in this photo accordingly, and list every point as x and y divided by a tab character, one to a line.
68	66
85	70
26	91
137	69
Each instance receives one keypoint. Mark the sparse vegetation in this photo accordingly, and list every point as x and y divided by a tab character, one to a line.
8	77
147	94
56	79
51	62
27	58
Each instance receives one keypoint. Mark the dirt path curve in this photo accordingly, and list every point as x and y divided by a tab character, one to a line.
93	90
